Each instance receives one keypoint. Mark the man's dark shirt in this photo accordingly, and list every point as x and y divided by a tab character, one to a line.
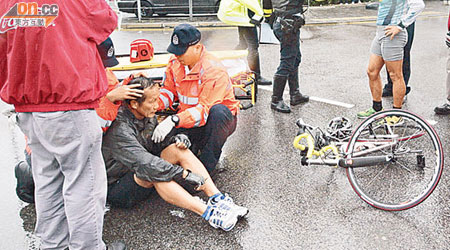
127	146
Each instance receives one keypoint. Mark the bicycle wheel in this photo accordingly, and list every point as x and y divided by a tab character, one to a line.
416	163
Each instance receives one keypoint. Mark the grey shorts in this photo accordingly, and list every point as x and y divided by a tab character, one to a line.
390	50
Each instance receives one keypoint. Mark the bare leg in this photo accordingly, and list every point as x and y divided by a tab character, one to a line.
395	72
171	191
174	194
373	72
186	159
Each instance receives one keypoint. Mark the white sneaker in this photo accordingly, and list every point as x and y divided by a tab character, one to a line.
220	218
226	202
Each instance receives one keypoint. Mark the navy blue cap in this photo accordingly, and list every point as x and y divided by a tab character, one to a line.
107	53
183	36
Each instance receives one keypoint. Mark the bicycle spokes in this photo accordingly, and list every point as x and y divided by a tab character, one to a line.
416	164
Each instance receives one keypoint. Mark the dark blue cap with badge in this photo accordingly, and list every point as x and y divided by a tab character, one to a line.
183	36
107	53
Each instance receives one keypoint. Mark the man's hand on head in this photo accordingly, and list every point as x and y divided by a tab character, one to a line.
125	92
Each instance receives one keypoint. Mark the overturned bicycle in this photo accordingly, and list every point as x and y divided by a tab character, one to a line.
393	159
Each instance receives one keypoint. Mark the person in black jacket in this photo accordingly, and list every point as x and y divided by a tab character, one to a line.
134	164
286	27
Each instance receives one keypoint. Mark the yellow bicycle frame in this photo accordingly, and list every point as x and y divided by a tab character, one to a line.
311	151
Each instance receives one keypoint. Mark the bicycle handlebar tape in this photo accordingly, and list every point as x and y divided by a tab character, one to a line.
364	161
301	147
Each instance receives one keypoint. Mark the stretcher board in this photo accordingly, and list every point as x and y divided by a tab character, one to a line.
235	61
161	60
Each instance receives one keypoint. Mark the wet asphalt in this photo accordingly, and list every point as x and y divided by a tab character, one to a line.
291	206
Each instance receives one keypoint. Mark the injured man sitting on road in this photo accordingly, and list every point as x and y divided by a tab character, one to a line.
135	164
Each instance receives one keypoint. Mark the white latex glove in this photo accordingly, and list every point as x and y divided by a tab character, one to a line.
162	130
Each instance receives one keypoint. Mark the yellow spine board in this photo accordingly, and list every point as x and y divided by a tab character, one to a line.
161	60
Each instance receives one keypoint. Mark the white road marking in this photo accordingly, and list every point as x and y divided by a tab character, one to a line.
317	99
337	103
431	122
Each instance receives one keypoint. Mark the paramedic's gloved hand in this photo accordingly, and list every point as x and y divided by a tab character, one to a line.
181	141
162	130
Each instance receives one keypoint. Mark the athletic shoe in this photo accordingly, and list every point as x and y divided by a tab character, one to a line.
365	114
391	121
443	109
220	218
224	201
263	81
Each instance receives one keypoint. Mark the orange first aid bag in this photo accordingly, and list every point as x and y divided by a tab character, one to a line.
141	50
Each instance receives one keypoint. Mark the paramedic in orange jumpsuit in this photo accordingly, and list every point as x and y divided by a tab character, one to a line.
207	110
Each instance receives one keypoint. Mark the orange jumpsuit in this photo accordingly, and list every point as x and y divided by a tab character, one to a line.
197	91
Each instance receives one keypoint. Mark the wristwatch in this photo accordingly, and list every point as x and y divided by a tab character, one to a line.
401	25
175	119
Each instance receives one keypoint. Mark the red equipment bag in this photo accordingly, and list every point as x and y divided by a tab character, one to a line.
141	50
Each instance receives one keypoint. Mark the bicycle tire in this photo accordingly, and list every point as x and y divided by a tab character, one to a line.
417	163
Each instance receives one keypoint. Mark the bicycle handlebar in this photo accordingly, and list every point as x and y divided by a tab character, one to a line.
311	146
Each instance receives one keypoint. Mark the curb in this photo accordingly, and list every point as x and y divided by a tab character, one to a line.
218	24
136	26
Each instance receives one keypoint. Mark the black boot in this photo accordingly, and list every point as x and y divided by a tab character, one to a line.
279	82
25	182
262	81
296	96
253	64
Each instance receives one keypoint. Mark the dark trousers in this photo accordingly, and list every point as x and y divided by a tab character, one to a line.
290	55
126	193
248	39
207	141
406	67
